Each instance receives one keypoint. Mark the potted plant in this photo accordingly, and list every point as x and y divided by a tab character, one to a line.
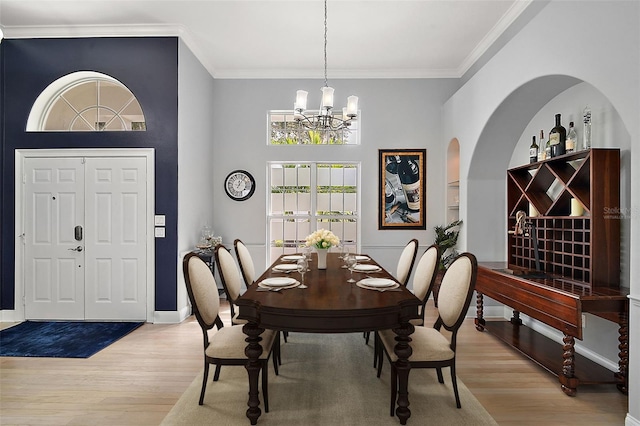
446	239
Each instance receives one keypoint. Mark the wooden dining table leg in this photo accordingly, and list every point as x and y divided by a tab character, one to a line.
403	351
253	366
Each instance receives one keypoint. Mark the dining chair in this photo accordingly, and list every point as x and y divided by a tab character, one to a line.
231	281
226	345
403	269
247	269
423	280
406	261
245	261
431	347
232	284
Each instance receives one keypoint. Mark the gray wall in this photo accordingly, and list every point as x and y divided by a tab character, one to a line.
395	114
195	153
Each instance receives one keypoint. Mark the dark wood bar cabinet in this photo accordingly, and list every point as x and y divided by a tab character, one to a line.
563	260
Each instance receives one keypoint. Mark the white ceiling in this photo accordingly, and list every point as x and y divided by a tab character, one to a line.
284	38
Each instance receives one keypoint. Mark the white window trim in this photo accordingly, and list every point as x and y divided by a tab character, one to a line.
43	103
312	216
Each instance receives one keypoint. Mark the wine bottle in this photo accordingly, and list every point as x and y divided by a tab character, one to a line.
558	137
389	195
393	163
547	150
533	151
409	174
572	139
586	119
542	152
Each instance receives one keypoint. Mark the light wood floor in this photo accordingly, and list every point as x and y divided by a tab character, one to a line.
137	380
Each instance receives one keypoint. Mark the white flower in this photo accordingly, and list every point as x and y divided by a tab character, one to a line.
322	239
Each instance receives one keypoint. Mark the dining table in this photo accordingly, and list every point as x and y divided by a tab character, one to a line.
328	304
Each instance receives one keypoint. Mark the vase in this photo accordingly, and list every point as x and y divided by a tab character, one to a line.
322	258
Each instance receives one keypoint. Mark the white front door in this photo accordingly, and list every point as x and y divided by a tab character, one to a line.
85	238
115	215
54	258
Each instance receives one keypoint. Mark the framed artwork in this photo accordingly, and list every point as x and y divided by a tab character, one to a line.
402	188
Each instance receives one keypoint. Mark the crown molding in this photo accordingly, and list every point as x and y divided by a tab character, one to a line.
487	41
161	30
335	74
77	31
173	30
67	31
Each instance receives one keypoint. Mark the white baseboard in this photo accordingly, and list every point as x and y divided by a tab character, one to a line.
631	421
171	317
9	315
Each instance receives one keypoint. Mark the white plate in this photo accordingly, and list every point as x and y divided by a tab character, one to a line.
285	267
378	282
278	281
367	268
293	257
360	258
393	287
270	287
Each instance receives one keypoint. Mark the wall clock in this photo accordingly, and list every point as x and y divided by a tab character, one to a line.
239	185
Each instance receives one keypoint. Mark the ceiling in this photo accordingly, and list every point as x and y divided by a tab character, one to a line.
284	38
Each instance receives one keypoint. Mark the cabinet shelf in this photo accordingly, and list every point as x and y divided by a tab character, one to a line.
583	248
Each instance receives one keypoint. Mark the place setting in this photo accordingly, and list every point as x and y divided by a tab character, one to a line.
362	258
292	257
277	284
379	284
285	268
366	268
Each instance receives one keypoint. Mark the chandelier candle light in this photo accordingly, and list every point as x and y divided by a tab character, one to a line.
324	120
322	240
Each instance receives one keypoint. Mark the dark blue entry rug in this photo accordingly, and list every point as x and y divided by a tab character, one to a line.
62	339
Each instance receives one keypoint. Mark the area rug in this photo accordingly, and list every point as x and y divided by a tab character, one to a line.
327	380
62	339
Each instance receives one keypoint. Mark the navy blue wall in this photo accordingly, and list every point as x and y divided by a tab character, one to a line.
149	68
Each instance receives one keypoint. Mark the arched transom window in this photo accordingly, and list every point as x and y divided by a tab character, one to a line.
86	101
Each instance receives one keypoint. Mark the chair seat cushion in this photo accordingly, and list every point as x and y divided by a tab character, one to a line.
428	344
416	321
228	342
235	320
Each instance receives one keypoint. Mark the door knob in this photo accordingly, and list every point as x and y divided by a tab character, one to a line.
78	249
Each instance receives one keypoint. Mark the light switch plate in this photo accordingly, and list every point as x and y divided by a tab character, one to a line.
159	220
159	232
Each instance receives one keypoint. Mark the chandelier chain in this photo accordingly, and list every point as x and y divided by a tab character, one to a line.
326	84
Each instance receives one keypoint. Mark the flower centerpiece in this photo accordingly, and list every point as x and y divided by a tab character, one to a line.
322	240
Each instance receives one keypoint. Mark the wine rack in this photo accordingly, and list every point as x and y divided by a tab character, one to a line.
584	248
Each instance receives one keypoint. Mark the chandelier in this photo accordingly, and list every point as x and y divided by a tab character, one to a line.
324	119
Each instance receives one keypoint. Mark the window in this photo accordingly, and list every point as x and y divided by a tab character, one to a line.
285	130
86	101
306	196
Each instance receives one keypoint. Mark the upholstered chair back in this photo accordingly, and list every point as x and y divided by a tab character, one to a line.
456	289
202	290
246	262
228	273
425	272
405	263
